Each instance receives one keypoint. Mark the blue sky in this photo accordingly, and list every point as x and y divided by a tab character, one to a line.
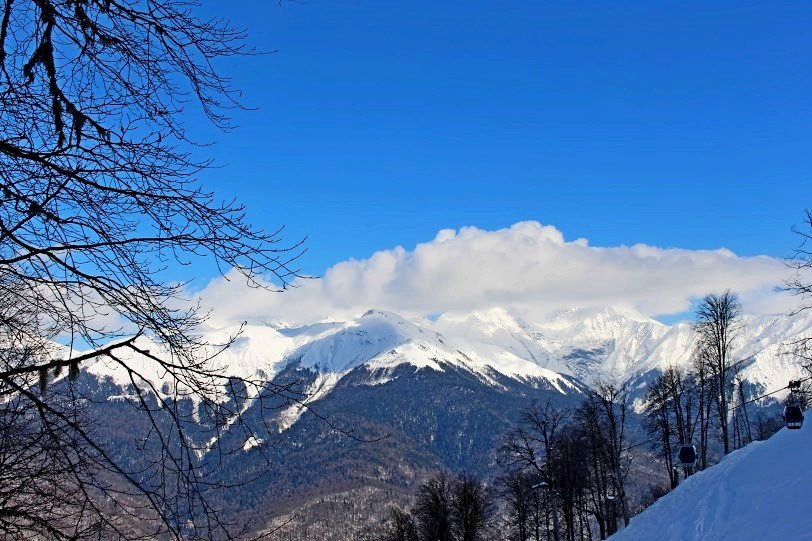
379	123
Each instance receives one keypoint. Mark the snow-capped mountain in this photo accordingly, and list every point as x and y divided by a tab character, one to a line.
588	344
568	346
623	345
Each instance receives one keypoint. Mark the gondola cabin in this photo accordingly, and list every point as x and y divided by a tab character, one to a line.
794	417
687	456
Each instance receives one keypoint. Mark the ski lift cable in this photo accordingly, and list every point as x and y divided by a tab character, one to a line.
791	384
694	385
690	386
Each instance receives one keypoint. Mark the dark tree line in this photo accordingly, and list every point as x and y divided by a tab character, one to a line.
526	509
566	477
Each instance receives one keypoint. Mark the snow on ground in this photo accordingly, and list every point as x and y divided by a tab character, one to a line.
322	386
252	442
761	492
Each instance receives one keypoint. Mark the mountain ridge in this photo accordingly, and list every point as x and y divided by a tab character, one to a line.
589	345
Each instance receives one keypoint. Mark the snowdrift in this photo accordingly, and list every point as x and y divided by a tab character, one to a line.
763	491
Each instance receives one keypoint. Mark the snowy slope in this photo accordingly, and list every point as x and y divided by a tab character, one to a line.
384	340
569	341
255	352
761	349
378	340
759	492
620	344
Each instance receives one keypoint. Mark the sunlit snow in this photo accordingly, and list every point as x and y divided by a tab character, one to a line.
756	493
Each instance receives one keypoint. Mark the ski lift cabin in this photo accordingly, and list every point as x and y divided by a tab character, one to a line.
687	456
794	417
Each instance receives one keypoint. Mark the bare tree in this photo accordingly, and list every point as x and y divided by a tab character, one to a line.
583	461
717	324
533	441
680	387
659	423
42	470
613	405
592	426
400	526
705	388
800	283
98	195
523	506
569	466
472	506
532	446
434	510
742	430
671	415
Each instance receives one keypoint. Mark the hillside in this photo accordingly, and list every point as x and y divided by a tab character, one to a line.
758	492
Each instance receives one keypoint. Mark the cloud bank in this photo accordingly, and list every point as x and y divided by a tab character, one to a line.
528	267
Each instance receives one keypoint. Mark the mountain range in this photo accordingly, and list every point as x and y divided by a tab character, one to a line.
569	348
416	394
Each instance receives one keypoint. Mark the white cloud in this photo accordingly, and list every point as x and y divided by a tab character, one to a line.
528	267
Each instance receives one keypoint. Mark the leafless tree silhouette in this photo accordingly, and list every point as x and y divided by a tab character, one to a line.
717	326
98	196
800	282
